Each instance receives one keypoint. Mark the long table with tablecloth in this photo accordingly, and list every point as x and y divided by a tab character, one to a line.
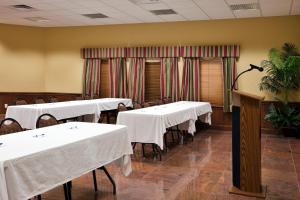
35	161
148	125
27	115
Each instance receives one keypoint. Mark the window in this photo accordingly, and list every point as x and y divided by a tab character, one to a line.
152	80
211	81
104	79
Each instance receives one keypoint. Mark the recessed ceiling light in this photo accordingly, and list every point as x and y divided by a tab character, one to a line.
249	6
163	12
37	19
95	15
22	7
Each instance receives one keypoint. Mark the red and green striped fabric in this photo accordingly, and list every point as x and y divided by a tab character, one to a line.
210	51
91	82
136	79
118	77
191	79
229	74
163	52
169	79
152	52
103	52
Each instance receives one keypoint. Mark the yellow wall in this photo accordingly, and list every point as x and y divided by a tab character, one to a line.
22	60
63	65
255	36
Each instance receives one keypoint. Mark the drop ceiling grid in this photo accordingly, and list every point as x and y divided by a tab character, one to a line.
69	12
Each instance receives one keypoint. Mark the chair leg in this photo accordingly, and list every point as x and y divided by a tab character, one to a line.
143	149
110	178
69	184
133	145
66	192
157	148
95	181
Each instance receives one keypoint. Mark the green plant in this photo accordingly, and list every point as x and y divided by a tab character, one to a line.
284	116
282	75
282	72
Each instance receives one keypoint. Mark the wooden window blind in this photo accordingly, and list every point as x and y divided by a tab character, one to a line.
104	79
152	81
211	81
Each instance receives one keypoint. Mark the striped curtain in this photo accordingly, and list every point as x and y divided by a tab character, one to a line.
191	79
91	77
136	79
169	79
117	77
229	74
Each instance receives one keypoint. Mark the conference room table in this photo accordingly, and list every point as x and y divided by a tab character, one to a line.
148	125
35	161
27	115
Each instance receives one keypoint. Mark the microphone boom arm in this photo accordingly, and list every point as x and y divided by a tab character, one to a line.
247	70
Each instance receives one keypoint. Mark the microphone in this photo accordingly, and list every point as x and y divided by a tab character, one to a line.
247	70
256	67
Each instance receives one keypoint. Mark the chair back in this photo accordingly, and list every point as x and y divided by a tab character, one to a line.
87	98
21	102
96	97
53	100
167	100
146	104
9	125
121	107
79	98
159	102
46	120
136	105
39	101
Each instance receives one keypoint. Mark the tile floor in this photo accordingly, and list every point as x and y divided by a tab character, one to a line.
197	170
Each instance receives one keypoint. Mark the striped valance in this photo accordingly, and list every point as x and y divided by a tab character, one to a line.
210	51
163	52
103	52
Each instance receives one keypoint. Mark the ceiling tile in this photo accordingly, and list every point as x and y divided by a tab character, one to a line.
275	7
216	9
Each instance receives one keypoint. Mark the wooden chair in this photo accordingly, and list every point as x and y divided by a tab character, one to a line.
147	104
9	125
159	102
167	100
53	100
79	98
122	107
87	98
39	101
46	120
20	102
96	97
136	105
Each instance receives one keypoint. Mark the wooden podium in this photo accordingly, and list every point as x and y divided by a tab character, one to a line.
246	145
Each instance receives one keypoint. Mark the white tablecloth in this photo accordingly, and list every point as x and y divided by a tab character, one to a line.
31	165
148	125
27	115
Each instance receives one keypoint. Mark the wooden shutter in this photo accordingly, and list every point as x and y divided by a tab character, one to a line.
211	81
152	81
104	79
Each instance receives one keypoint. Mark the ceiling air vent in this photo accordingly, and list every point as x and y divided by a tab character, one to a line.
95	16
22	7
250	6
163	12
37	19
140	2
